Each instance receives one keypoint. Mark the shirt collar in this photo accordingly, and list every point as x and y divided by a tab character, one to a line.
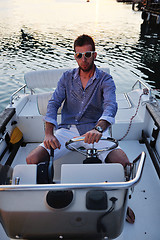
76	73
95	75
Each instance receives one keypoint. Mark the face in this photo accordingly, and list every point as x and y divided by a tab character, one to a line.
85	64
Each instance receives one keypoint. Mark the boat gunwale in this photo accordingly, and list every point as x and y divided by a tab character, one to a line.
74	186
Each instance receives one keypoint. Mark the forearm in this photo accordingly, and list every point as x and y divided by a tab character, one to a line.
50	140
103	124
49	127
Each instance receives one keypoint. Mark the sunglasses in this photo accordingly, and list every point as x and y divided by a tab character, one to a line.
88	54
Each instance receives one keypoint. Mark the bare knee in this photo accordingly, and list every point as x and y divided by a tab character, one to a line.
117	156
32	159
38	155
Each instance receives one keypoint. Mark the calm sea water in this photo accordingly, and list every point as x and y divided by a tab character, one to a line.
39	34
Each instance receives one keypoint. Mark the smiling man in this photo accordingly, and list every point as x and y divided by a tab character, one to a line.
89	108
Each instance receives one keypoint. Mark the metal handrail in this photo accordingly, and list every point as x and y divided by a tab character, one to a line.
128	100
145	85
74	186
18	90
140	84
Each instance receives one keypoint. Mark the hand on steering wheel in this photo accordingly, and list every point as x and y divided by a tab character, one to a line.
92	136
97	152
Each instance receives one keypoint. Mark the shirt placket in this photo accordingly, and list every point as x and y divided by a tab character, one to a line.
81	108
85	93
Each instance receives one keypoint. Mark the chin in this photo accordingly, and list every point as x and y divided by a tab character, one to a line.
86	69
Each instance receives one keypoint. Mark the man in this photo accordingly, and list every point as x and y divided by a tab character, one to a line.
89	107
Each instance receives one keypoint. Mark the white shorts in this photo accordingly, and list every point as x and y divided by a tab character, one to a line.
63	135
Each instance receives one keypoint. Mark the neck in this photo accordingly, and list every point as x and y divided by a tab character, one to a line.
87	74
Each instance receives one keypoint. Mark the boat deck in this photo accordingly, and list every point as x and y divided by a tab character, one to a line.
144	201
145	198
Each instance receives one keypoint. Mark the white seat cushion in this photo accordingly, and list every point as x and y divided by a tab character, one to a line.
42	102
46	78
27	174
43	78
92	173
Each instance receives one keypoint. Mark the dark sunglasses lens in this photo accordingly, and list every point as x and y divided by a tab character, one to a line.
88	54
78	55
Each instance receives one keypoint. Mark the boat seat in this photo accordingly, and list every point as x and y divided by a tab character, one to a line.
35	106
45	79
72	173
24	174
92	173
42	102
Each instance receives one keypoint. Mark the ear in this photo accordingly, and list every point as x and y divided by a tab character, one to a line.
95	55
75	58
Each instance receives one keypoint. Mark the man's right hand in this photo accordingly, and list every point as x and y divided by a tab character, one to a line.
51	141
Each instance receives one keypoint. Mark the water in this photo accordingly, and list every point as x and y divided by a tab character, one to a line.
39	34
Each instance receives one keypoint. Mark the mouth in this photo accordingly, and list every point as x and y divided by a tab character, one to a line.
84	65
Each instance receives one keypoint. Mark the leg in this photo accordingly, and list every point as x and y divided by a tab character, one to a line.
39	154
114	156
117	156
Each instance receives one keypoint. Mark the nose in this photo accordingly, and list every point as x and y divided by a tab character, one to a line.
84	58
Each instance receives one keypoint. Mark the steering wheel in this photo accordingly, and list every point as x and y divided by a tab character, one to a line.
91	153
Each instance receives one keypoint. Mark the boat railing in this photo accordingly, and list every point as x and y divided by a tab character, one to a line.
141	83
17	91
130	105
74	186
32	84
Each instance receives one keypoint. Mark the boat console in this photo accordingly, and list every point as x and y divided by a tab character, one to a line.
84	204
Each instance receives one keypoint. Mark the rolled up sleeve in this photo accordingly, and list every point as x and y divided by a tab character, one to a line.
109	103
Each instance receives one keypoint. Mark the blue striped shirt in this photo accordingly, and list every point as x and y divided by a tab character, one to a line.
83	107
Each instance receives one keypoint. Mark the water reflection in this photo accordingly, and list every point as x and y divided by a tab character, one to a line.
150	29
150	47
40	34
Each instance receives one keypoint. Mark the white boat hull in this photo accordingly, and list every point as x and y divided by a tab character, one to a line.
29	210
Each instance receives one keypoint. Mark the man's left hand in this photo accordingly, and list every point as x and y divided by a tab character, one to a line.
92	136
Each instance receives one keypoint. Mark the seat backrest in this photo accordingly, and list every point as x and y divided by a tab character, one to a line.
42	102
46	78
43	78
25	174
92	173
